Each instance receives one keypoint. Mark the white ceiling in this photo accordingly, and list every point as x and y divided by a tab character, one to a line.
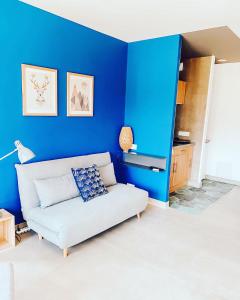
132	20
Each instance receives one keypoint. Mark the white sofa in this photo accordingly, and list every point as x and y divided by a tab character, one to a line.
73	221
6	281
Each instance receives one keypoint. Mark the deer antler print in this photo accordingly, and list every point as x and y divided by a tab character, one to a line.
40	89
45	83
34	82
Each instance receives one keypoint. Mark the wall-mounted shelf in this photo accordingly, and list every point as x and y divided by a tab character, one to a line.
150	162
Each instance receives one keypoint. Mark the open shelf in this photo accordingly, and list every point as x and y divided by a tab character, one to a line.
145	161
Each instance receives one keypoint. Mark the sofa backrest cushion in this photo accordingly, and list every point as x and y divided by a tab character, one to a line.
52	168
56	189
107	174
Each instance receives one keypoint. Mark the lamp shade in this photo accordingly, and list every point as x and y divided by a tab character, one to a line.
24	154
126	138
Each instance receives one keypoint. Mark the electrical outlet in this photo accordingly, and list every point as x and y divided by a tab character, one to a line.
181	67
134	147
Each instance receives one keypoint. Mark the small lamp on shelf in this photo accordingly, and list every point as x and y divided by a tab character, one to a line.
126	138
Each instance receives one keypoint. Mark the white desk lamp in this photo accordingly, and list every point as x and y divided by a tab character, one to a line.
24	154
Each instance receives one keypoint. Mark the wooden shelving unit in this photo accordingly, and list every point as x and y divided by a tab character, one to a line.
7	230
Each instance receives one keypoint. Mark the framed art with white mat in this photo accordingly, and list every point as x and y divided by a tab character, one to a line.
80	94
39	91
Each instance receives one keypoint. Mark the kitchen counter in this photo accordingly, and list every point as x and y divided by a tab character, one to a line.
179	147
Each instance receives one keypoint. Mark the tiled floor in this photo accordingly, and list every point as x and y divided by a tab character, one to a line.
193	200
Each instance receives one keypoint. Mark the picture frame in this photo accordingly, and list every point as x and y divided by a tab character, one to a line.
80	95
39	91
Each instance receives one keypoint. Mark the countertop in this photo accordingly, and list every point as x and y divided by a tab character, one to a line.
183	146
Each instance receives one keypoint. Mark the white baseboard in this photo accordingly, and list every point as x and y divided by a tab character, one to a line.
158	203
235	182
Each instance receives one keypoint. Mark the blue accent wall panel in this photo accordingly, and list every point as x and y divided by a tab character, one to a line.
31	36
152	74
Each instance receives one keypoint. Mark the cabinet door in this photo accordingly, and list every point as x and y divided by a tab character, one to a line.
181	168
181	92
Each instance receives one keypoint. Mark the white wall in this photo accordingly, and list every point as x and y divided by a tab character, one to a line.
223	151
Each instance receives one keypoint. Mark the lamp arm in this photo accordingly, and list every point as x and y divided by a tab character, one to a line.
10	153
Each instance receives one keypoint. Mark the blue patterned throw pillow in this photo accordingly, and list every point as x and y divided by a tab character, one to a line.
89	182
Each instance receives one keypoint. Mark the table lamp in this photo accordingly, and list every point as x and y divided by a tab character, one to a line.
126	138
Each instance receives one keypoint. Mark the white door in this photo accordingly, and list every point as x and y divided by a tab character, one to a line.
222	160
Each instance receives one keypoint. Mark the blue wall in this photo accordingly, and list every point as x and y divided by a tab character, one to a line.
152	75
31	36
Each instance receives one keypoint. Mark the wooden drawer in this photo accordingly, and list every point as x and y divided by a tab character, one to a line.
179	151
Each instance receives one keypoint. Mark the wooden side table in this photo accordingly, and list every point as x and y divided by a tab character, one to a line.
7	230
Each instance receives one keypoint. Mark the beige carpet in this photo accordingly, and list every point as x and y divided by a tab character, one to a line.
168	255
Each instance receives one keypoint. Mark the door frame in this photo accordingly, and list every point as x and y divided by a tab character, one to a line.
203	156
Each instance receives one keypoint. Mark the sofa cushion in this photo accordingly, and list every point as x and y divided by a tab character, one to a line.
26	174
74	220
108	175
56	189
89	182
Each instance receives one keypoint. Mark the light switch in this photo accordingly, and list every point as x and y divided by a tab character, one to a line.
184	133
134	147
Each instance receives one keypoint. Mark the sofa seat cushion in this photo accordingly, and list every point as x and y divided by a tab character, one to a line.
75	221
57	216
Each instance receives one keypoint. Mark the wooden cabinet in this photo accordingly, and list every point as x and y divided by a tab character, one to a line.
181	92
181	167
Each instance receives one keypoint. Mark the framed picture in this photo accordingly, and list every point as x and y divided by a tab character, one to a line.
39	90
80	93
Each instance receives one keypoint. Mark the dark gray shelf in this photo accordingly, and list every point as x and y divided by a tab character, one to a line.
150	162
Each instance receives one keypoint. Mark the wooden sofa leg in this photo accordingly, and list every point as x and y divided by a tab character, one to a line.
40	236
65	252
138	216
